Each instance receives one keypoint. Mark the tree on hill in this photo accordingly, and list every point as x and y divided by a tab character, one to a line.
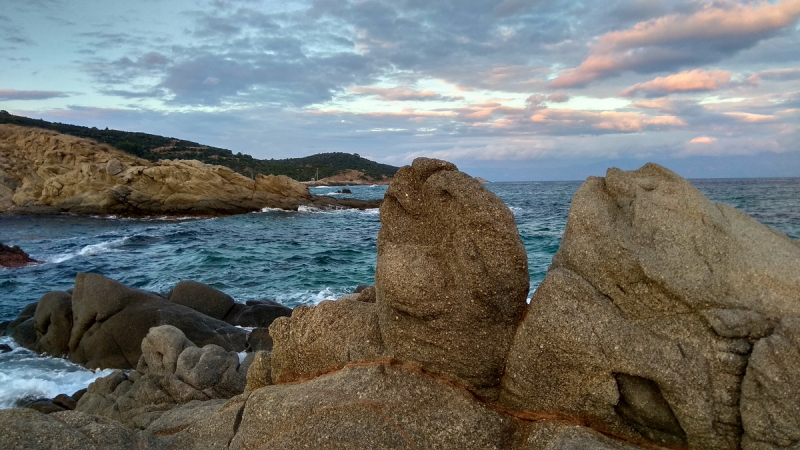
153	148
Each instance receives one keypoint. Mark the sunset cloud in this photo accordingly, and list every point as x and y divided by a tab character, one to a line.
695	80
679	39
605	121
703	140
401	94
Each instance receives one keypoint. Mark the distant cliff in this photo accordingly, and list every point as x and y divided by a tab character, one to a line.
154	148
43	171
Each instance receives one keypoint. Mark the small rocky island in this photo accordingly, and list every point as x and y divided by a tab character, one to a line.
665	321
45	172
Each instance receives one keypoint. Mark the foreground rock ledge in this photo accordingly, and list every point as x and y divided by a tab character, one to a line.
44	172
665	321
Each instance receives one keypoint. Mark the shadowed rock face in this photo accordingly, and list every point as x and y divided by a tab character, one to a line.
452	274
645	322
14	256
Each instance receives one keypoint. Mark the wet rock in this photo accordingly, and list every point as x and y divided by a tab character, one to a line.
65	401
14	257
5	348
44	406
202	298
452	274
257	314
53	323
111	320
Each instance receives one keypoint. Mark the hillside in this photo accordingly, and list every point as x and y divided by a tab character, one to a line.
154	148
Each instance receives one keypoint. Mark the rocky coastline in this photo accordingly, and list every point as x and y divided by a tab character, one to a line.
44	172
664	321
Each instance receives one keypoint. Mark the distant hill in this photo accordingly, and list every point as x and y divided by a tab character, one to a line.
153	148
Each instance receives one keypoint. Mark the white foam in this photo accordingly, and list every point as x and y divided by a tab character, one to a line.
268	209
26	375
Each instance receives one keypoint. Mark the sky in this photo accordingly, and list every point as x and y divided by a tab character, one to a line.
508	90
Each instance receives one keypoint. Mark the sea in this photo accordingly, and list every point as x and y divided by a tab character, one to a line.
292	257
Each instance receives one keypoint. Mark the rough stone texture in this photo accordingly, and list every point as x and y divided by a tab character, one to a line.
257	313
260	372
42	171
645	322
358	407
452	274
53	323
182	416
106	433
171	372
202	298
770	401
161	348
24	429
111	320
212	370
322	338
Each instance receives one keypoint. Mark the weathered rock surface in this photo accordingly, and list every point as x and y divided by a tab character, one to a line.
111	320
322	338
42	171
645	322
172	371
452	274
70	430
53	323
14	257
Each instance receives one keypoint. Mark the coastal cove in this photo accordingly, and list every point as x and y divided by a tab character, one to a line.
293	257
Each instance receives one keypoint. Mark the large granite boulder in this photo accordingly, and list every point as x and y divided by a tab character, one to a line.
452	274
110	320
322	338
53	323
645	323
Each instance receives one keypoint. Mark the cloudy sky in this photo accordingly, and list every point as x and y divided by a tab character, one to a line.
506	89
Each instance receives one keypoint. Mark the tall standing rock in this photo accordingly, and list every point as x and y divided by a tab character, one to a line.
452	274
645	322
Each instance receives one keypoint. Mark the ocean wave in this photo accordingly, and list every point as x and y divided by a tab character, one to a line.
26	375
310	297
110	246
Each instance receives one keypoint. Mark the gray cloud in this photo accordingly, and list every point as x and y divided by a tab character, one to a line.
13	94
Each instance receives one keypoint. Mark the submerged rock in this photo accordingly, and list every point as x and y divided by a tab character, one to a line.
14	257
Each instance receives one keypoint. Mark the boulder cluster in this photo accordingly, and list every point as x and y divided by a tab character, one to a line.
665	321
45	172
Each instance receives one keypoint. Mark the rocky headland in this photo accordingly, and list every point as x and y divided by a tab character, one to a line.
665	321
44	172
14	257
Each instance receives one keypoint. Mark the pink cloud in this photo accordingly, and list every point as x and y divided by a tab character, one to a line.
703	140
695	80
400	94
662	104
659	40
606	120
751	118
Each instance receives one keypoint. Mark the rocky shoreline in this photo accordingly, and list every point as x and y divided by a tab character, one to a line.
664	321
44	172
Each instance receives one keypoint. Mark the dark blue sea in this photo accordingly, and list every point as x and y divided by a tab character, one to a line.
295	258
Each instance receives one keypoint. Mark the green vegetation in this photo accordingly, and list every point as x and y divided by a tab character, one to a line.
154	148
